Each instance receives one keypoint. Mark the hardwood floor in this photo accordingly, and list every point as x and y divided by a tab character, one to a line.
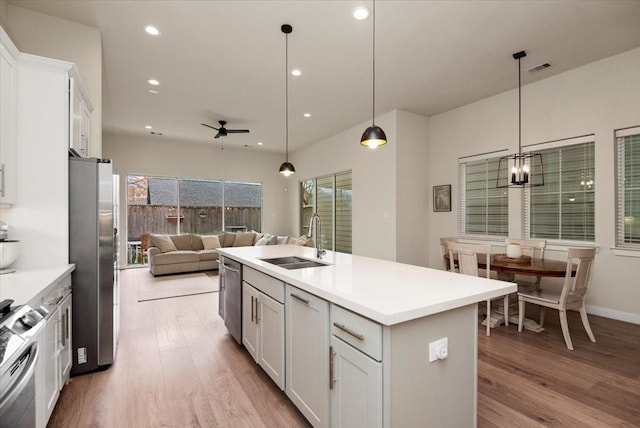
177	366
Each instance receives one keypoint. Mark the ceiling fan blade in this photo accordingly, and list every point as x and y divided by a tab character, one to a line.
209	126
237	131
218	135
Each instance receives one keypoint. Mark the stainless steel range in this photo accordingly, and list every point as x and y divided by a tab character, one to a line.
19	328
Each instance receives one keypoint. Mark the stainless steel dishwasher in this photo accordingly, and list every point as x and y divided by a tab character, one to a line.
231	296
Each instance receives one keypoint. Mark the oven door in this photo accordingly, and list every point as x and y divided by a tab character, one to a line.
18	390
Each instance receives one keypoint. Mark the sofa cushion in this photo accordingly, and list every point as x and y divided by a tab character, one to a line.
182	242
244	239
210	242
267	239
196	243
208	255
229	237
163	242
178	256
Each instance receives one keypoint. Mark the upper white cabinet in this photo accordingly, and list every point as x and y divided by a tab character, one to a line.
80	118
8	99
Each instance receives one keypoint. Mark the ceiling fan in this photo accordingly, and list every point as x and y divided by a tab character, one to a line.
222	131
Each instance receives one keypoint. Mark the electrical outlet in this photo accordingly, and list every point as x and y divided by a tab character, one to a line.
439	350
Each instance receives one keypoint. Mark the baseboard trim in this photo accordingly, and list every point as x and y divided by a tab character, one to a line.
613	314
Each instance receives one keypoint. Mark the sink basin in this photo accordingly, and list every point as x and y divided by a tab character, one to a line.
294	262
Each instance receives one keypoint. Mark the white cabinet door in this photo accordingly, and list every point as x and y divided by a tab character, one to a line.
8	114
307	354
356	390
65	340
271	338
51	356
249	316
80	119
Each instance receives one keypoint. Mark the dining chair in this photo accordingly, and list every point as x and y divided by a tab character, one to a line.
533	248
572	296
144	247
444	250
467	256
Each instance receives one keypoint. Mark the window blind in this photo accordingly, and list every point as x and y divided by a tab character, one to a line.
343	212
628	187
564	208
484	208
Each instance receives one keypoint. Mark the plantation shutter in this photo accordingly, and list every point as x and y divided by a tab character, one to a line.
324	208
343	212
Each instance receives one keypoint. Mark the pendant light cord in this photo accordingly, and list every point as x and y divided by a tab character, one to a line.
286	92
373	113
519	107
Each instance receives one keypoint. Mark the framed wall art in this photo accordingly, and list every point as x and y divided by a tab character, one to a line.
442	198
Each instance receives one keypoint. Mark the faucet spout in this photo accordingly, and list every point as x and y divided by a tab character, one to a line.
315	219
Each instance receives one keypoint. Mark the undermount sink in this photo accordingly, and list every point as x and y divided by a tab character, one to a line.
293	262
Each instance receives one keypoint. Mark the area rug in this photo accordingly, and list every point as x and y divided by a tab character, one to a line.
169	286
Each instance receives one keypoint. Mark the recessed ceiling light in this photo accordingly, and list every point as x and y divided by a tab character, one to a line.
153	91
296	72
307	115
152	30
361	13
148	127
260	143
153	82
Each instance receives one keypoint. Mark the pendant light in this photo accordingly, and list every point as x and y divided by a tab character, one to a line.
373	136
520	169
286	168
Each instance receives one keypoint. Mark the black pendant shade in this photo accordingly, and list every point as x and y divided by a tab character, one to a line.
373	136
520	169
286	168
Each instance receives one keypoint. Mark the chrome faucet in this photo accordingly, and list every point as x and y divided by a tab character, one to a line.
316	218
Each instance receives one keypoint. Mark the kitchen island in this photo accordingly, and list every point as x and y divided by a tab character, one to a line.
350	341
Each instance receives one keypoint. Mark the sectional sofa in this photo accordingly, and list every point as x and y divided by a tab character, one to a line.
191	253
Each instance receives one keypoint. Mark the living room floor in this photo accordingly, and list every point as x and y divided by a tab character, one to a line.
177	366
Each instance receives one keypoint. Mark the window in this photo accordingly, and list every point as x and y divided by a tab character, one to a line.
563	209
330	197
628	195
168	205
484	208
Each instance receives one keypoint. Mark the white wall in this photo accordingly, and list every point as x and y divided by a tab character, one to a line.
166	157
51	37
373	181
594	99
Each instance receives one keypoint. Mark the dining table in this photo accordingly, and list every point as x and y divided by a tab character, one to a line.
507	269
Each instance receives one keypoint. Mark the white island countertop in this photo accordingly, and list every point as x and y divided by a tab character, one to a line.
384	291
25	284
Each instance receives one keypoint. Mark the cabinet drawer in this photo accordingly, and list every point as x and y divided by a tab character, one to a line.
358	331
270	286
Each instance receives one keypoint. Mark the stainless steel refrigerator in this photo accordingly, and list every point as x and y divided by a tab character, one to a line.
92	249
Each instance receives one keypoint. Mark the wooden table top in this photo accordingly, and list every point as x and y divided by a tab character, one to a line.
541	267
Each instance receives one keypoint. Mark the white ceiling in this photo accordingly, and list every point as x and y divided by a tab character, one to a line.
225	59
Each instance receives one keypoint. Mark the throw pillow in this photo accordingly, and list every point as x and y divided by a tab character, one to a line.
258	236
267	239
163	242
282	240
244	239
229	237
303	241
210	242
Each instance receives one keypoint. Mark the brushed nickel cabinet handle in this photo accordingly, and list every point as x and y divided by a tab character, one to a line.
300	299
252	312
348	331
332	355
